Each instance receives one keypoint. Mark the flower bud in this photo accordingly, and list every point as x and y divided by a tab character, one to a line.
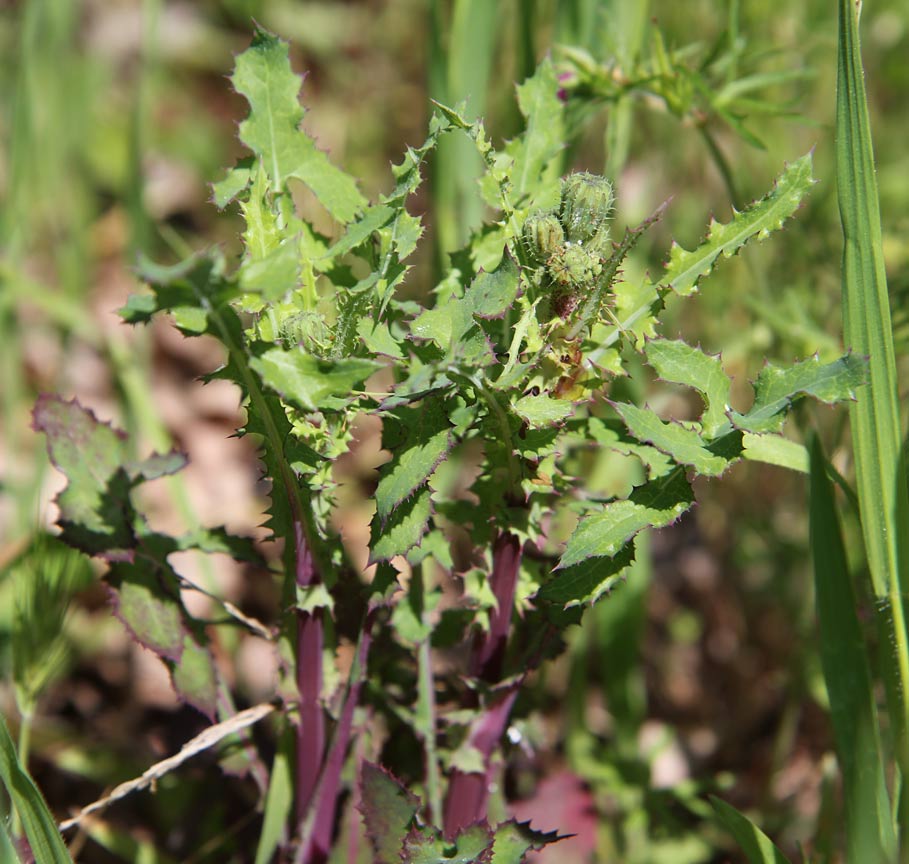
575	267
543	236
587	201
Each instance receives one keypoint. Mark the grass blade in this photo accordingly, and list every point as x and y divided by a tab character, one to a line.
756	845
40	827
869	830
880	473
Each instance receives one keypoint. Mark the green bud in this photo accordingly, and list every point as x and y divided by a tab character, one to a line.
587	201
543	236
574	267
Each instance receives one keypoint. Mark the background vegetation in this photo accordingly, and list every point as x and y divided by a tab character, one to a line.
701	674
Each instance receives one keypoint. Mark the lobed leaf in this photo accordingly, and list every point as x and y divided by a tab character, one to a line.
538	411
311	382
402	530
679	363
513	840
685	268
426	846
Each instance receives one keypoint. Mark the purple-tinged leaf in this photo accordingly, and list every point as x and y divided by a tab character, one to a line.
388	810
95	511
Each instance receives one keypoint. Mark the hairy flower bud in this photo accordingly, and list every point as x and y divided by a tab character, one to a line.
587	201
543	236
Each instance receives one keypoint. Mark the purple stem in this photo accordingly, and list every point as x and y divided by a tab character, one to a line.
468	793
311	731
489	648
318	845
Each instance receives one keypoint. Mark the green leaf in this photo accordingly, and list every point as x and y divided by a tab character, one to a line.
275	274
403	529
388	810
278	800
514	839
679	363
684	445
685	268
778	387
194	677
272	131
40	828
492	294
776	450
232	184
542	410
311	382
850	685
605	531
472	846
756	845
535	152
378	338
868	331
426	440
148	603
587	581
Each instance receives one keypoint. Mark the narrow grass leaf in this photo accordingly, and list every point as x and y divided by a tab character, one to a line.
875	418
850	686
757	846
40	827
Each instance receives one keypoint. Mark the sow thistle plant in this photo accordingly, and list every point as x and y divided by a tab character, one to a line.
493	396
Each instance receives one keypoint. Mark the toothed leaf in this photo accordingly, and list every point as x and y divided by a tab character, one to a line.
388	810
425	441
768	214
684	445
778	387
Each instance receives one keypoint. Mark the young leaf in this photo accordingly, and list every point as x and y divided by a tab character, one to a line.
310	382
272	130
513	840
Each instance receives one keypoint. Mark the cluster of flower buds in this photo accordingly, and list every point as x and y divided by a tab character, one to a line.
570	244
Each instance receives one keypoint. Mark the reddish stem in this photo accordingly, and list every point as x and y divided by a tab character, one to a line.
311	731
468	793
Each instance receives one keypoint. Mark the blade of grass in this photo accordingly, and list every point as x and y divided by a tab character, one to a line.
880	471
869	829
756	845
40	828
